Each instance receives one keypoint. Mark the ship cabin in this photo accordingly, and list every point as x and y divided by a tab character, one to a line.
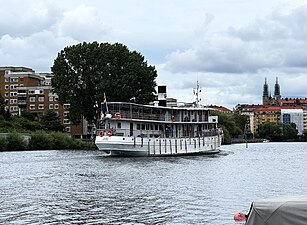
135	120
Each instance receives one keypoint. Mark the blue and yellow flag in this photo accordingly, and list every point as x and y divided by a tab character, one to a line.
105	104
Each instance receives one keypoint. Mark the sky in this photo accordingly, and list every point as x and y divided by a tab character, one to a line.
228	46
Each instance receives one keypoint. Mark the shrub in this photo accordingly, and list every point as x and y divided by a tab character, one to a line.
3	144
62	140
16	142
40	140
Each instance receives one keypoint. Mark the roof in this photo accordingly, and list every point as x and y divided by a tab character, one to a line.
292	100
267	108
220	108
283	210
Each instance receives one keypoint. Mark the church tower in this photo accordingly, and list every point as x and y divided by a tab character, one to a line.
265	95
277	96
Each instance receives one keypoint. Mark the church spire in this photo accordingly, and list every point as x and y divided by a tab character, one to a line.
277	91
265	95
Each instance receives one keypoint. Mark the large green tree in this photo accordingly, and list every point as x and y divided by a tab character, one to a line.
278	131
232	124
84	72
51	121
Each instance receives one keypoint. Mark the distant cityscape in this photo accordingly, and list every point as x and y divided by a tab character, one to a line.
27	91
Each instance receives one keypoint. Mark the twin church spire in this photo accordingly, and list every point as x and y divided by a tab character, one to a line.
267	99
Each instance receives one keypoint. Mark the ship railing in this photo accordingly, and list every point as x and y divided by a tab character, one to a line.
163	117
158	133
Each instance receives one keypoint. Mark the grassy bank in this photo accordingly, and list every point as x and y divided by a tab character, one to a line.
41	140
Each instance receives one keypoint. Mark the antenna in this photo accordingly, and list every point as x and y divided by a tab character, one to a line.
196	93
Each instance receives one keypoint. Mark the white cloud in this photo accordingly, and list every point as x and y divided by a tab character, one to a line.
82	24
276	41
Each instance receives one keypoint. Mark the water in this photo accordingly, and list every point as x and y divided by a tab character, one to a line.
84	187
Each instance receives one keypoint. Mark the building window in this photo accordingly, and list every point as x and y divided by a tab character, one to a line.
66	106
40	106
119	125
6	80
66	113
6	87
66	121
31	91
32	99
56	106
41	99
14	79
50	106
32	107
12	94
6	94
13	108
50	99
56	98
13	101
67	129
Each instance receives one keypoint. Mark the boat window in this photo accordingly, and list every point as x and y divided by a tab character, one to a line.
147	126
143	126
156	127
119	125
138	126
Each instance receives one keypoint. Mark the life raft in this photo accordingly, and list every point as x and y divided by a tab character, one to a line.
110	133
118	115
173	118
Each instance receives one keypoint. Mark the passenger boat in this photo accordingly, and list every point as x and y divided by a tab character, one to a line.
130	129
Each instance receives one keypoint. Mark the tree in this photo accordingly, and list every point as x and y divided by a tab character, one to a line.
277	131
4	113
232	124
51	121
84	72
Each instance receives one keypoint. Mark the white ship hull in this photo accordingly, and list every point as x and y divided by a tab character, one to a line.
138	146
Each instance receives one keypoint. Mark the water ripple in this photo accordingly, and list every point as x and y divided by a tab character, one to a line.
83	187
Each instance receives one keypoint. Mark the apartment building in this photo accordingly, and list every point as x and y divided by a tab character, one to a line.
25	90
294	115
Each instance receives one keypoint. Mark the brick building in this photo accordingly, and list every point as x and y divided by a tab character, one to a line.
25	90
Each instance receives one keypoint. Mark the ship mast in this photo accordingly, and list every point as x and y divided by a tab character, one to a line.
196	92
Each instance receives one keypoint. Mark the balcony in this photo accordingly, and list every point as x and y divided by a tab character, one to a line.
21	94
22	102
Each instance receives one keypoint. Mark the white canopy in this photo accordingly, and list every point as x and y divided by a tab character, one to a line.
285	210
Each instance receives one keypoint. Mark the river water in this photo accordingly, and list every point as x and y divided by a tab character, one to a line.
85	187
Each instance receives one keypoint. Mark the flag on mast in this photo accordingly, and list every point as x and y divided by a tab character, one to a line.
105	104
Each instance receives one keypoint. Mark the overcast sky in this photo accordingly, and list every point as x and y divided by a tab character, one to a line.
230	46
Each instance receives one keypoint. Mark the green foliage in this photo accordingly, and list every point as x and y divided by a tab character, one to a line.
232	124
277	131
3	144
19	124
304	137
41	140
51	121
16	142
227	137
28	115
84	72
3	113
62	141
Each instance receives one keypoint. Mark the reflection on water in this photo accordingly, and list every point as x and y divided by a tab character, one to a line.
85	187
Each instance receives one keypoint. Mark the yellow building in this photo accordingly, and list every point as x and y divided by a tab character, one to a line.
266	114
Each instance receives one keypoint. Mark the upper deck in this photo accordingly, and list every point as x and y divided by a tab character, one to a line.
160	114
